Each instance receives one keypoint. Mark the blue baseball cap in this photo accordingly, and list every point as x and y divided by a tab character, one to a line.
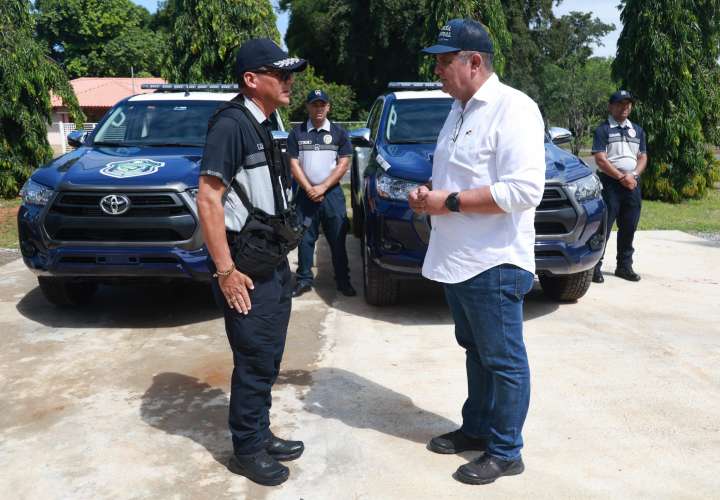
462	34
621	95
264	53
317	95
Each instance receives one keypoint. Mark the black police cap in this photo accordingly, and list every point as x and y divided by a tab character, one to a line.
264	53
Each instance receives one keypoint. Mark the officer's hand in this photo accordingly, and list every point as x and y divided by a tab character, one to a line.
235	289
314	194
321	189
416	199
629	182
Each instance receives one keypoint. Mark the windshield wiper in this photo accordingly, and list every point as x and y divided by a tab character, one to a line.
113	144
172	144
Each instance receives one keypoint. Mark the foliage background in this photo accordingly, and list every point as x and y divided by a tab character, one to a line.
667	56
27	77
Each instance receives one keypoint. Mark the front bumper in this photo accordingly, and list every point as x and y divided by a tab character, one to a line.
109	260
397	238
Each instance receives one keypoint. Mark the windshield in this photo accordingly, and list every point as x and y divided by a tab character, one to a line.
416	120
157	123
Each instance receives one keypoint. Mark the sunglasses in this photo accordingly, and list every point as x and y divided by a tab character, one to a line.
283	76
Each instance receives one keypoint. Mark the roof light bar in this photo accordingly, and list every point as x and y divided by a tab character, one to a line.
180	87
414	85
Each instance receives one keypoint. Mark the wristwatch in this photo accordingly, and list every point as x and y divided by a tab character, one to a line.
452	202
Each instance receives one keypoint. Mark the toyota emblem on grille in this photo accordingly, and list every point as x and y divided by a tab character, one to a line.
115	204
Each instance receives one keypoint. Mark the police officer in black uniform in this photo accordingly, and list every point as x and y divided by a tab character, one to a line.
256	311
620	152
320	153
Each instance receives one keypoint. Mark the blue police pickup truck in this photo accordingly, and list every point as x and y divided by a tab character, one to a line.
121	206
393	155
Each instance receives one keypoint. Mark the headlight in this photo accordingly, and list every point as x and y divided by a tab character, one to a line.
393	188
586	188
33	193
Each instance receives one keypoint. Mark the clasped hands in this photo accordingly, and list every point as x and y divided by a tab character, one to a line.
316	193
424	201
628	181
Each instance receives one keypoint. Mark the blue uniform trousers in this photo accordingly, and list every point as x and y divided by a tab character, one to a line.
331	214
623	207
257	341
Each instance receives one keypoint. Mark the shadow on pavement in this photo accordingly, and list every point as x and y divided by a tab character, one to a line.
127	306
181	405
361	403
420	302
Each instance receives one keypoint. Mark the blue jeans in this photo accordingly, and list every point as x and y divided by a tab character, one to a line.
488	314
332	215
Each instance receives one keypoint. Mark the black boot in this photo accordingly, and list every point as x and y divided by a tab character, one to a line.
627	273
455	442
597	276
487	469
282	449
259	467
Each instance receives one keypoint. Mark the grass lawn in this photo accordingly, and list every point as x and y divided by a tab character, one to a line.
8	222
701	216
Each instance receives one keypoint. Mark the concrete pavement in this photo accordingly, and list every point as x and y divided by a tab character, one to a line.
128	398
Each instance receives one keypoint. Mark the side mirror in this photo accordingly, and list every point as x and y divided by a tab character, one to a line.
76	138
559	135
360	137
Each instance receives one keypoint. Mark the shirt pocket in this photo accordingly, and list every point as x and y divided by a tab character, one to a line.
471	163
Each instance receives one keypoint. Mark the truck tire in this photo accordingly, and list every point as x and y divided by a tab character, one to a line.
380	288
567	288
357	217
63	292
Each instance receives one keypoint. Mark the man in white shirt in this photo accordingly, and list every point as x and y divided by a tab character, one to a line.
488	177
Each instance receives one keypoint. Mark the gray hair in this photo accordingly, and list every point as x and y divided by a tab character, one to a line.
487	58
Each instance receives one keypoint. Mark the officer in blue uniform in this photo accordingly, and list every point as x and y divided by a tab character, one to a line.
257	311
320	153
621	155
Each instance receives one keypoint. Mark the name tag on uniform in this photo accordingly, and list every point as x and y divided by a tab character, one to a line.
304	143
613	135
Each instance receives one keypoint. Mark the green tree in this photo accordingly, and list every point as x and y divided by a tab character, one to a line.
367	44
77	33
135	50
576	97
27	76
489	12
667	56
525	19
573	88
342	96
364	44
206	34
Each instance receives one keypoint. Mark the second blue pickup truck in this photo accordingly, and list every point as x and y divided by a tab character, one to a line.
393	155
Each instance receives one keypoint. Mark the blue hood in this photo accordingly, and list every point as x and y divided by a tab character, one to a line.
414	162
409	161
562	166
175	168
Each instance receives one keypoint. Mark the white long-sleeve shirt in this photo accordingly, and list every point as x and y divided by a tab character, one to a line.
497	141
